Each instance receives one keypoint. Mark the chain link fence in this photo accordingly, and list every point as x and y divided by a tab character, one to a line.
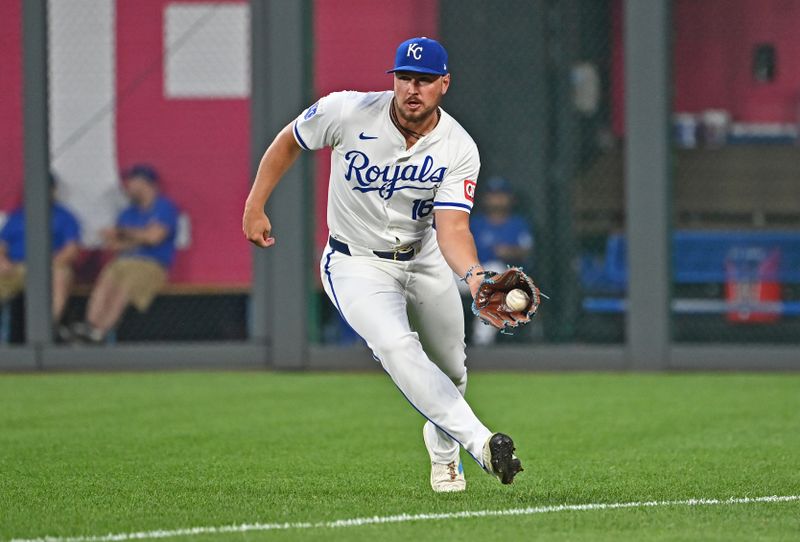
538	84
532	83
736	179
160	88
536	97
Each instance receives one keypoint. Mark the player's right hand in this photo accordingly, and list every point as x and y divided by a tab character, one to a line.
257	228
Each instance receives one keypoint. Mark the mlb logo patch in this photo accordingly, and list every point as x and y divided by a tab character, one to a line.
311	111
469	190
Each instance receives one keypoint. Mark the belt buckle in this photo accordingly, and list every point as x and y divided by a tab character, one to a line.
402	250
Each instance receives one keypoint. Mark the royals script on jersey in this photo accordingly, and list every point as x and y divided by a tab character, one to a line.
382	195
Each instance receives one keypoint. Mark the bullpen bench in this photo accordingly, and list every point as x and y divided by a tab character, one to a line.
180	312
767	259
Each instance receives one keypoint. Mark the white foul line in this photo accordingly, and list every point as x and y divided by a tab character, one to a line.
404	518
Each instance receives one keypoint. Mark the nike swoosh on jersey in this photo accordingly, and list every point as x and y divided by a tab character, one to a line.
362	136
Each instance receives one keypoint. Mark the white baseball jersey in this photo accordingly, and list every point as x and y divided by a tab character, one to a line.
382	195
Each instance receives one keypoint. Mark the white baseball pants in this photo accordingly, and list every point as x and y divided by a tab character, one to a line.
410	315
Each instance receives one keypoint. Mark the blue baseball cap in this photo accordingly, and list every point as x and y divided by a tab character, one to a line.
498	185
143	171
421	55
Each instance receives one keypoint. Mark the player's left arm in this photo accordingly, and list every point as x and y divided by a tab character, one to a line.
452	205
457	245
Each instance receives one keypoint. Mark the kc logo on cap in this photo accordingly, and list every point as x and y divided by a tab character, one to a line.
415	50
410	57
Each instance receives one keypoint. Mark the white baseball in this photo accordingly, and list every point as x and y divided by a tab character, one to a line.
517	300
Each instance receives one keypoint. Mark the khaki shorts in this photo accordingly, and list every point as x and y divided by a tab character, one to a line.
12	282
141	277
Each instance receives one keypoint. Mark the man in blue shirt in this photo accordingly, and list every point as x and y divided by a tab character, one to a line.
501	237
144	242
65	239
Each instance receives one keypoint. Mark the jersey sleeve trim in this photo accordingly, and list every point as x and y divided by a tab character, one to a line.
453	205
298	138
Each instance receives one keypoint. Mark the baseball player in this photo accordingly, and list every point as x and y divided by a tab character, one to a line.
399	163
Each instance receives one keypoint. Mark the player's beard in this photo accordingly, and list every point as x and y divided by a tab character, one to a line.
417	117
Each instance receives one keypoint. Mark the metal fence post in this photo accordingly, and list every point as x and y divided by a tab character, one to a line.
647	226
38	317
279	313
258	314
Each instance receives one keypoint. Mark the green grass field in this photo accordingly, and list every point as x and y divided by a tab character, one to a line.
92	454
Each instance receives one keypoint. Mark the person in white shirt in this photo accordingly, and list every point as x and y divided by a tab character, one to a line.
399	163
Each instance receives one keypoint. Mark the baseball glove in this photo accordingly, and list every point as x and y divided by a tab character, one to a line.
490	299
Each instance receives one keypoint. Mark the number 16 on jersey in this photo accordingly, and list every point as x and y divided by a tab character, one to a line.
421	208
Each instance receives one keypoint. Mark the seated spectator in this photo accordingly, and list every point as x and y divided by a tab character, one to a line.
501	237
65	239
144	242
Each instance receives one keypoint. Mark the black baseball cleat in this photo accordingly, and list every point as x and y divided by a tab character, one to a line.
499	458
